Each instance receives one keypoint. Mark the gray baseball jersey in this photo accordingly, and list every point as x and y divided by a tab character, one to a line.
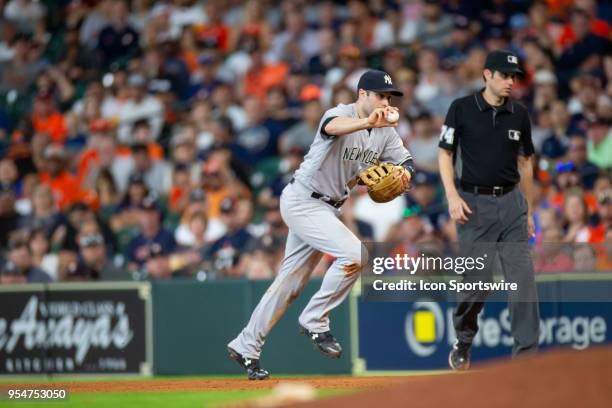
333	161
315	229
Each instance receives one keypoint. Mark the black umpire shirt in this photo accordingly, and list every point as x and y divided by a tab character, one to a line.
489	138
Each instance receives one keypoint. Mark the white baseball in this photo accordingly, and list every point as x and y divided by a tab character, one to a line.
392	116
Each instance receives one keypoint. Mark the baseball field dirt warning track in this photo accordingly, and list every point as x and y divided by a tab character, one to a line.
552	379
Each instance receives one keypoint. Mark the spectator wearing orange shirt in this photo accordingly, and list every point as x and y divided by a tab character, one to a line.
576	215
584	49
189	50
599	27
604	215
261	76
46	119
65	186
181	186
90	157
253	24
215	184
103	153
604	254
213	33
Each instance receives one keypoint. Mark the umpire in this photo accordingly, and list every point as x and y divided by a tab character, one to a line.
493	134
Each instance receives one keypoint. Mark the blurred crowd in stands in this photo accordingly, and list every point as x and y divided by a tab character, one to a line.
152	139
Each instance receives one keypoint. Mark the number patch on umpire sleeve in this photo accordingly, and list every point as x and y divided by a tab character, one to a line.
447	134
514	135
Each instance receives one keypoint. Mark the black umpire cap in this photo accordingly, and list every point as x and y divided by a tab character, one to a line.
378	81
503	61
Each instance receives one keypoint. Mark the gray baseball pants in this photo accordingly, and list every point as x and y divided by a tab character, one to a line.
314	229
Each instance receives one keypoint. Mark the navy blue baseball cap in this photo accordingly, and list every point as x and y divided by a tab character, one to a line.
378	81
503	61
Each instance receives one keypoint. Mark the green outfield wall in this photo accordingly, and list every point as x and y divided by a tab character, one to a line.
193	322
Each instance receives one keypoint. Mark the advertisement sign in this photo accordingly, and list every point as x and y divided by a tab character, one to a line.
75	329
419	335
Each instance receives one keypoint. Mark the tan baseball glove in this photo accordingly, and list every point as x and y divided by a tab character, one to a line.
384	181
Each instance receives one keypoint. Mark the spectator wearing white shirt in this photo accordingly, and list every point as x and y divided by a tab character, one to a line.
423	143
187	13
94	22
297	43
434	27
139	105
387	30
41	255
25	13
157	173
225	105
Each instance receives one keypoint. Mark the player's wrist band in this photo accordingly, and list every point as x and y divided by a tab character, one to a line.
409	165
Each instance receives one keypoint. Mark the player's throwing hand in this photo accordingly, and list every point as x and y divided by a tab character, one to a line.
378	117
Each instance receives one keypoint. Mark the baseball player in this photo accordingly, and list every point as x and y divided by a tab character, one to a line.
349	139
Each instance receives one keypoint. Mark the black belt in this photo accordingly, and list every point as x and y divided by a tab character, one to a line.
324	198
495	191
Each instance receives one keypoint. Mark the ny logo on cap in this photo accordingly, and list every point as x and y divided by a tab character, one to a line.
512	59
388	80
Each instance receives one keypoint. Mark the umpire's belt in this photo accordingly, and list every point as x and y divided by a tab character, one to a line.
495	191
324	198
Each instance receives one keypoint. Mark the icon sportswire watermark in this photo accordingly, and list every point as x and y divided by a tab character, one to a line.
405	271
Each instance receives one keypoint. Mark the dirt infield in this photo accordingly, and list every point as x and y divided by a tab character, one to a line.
554	379
329	382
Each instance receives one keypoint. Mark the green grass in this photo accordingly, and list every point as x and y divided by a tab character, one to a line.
155	399
85	378
145	399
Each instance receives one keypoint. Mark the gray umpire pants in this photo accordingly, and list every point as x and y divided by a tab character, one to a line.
498	226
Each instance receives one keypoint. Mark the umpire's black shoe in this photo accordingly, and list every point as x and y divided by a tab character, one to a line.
324	342
459	357
251	365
